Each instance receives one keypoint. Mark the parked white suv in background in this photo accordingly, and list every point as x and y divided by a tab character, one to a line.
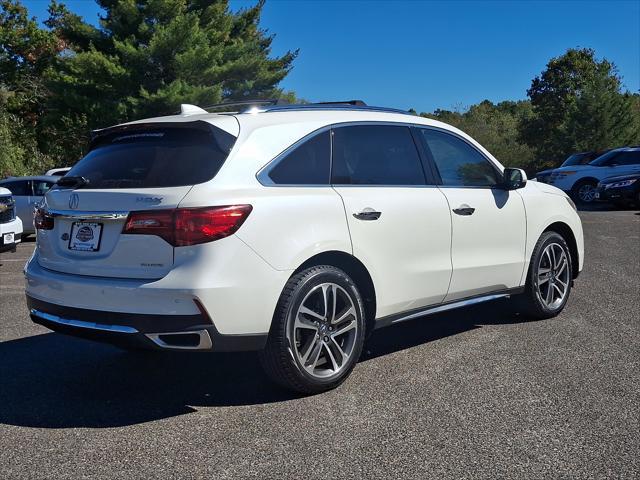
580	181
10	224
293	230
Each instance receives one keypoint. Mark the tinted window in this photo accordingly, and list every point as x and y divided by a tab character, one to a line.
459	163
627	158
41	187
18	188
156	156
307	164
375	155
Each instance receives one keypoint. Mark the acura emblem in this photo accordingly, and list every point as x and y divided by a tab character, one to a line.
74	200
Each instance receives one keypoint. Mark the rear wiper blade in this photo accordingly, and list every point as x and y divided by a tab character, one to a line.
73	181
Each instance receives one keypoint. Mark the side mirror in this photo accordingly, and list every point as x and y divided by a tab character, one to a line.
514	178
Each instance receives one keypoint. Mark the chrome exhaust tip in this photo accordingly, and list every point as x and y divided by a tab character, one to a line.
190	340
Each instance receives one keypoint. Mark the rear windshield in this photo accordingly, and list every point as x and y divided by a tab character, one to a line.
154	156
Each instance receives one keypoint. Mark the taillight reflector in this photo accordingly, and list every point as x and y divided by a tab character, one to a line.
42	220
188	226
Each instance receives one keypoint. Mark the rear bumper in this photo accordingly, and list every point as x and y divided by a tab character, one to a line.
237	289
161	332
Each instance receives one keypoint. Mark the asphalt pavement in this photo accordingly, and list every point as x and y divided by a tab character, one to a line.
476	393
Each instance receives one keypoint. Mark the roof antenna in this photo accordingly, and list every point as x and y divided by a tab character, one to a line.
188	109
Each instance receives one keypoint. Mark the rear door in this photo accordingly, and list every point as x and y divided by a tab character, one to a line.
488	222
142	167
399	222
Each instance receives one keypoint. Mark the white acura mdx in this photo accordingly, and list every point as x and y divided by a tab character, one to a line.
293	230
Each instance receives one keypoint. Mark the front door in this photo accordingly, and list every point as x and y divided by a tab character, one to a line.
488	222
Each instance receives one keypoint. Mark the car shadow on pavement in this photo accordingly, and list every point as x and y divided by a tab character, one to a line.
54	381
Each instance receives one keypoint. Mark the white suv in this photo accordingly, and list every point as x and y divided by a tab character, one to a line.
10	224
293	230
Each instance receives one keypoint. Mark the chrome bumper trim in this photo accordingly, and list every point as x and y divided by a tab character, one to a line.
82	324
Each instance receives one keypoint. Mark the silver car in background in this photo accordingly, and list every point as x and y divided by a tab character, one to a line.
27	193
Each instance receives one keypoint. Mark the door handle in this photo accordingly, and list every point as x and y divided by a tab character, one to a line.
464	209
367	214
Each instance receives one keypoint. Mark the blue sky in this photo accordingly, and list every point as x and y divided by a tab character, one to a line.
429	55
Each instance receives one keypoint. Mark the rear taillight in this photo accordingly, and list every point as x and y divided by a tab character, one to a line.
188	226
199	225
152	222
42	220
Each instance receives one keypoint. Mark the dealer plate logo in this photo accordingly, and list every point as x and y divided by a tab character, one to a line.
84	234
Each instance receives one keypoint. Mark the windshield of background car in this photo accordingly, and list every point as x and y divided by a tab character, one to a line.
155	156
575	159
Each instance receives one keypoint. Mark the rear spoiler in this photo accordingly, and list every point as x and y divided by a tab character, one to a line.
103	135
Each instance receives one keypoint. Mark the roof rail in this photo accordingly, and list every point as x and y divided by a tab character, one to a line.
358	103
249	102
346	106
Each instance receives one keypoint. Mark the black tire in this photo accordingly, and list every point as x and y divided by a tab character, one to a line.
529	303
278	358
577	194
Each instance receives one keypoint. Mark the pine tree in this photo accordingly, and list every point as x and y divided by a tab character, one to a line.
148	56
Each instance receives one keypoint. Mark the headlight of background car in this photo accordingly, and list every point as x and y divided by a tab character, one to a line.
567	173
624	183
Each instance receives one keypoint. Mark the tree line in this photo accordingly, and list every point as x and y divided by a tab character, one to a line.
60	80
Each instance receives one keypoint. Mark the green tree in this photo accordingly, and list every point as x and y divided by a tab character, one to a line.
148	56
26	53
496	127
578	104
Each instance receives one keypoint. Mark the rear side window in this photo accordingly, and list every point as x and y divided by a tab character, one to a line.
20	189
627	158
154	156
458	163
375	155
307	164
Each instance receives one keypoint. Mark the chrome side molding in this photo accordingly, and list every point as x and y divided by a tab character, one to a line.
450	306
82	324
432	309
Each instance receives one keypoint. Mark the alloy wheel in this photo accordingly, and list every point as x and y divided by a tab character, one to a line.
587	193
324	330
553	276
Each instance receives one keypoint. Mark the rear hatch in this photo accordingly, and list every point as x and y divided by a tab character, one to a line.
136	167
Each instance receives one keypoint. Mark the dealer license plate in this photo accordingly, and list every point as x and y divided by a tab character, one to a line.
85	236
